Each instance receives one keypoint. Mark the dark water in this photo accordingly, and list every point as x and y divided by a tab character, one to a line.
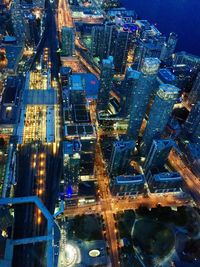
180	16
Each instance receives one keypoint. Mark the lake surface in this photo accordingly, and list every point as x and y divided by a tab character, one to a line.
180	16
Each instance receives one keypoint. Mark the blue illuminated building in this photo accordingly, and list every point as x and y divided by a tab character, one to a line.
71	166
120	157
158	153
192	125
166	76
105	83
194	95
128	87
160	113
141	95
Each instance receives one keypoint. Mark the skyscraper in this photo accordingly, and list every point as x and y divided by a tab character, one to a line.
194	95
169	47
109	40
158	153
18	21
120	157
184	58
67	35
97	40
141	95
148	47
71	164
32	31
159	114
127	89
192	125
105	83
124	42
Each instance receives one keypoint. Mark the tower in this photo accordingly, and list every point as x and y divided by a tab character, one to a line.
18	21
67	35
71	163
159	114
105	83
97	37
108	40
124	42
141	95
128	87
194	95
169	47
120	157
192	125
158	153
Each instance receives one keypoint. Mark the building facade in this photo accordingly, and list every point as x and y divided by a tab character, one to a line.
120	157
105	84
159	114
141	95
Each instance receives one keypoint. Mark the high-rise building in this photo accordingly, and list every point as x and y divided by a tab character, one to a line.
127	185
159	114
31	30
71	165
111	38
105	83
124	43
17	21
184	76
183	58
169	47
158	153
67	35
164	182
97	40
127	89
166	76
120	157
194	95
147	47
192	125
108	40
141	95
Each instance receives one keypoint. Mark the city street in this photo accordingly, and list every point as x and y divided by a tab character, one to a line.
191	180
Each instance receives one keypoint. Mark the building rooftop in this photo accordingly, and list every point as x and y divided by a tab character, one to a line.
40	97
129	179
80	130
76	82
166	76
167	176
13	54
